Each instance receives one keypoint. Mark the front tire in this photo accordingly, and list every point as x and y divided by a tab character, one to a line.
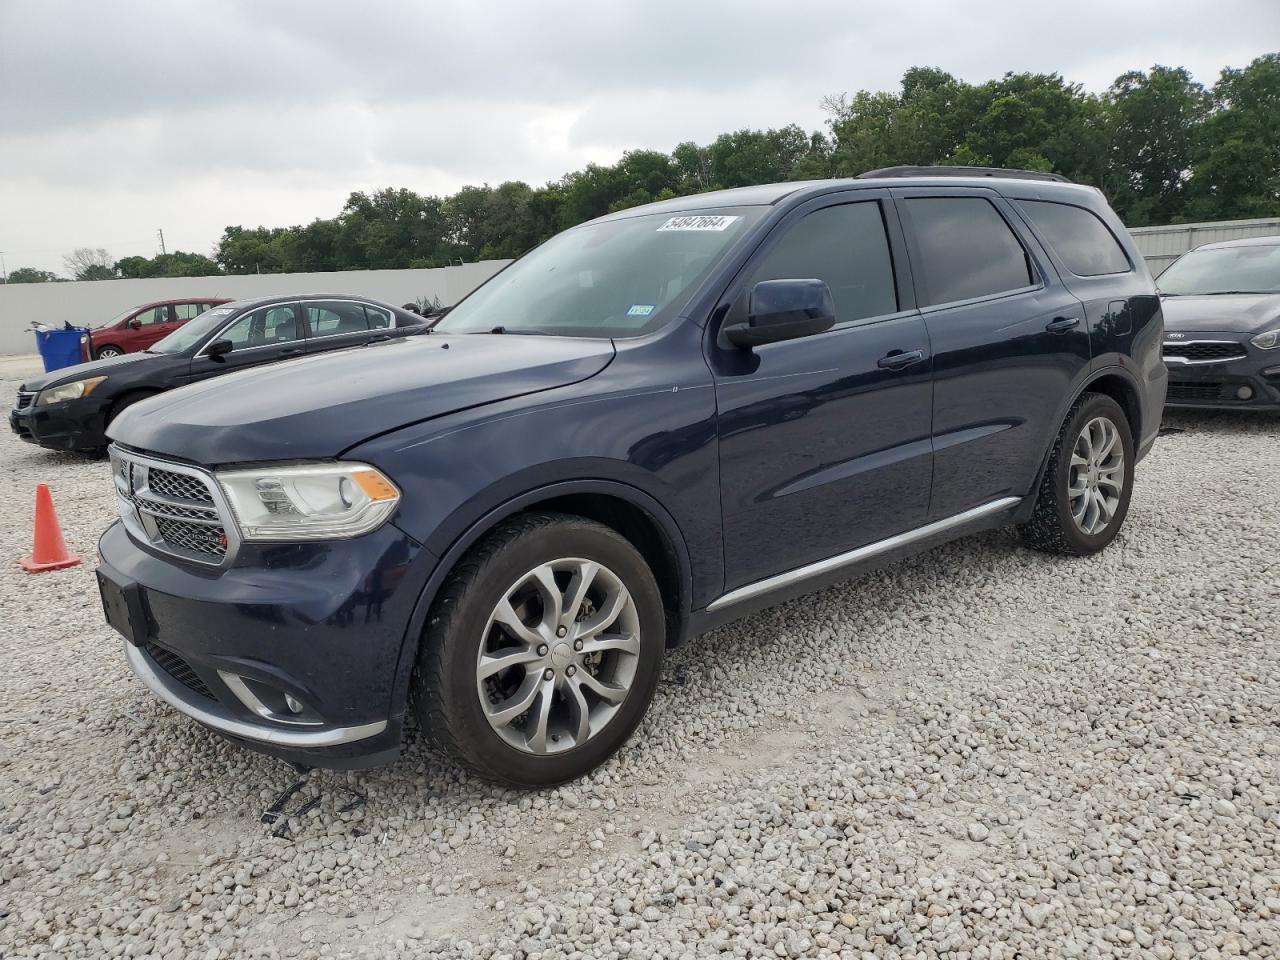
542	651
107	353
1084	494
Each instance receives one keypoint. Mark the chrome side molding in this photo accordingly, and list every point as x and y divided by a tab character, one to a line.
819	567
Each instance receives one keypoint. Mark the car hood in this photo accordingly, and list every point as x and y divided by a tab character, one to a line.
94	368
1228	312
316	407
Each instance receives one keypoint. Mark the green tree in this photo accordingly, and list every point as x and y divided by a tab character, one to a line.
32	275
176	264
1237	172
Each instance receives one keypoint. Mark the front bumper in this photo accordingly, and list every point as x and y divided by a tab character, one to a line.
1219	385
72	425
323	624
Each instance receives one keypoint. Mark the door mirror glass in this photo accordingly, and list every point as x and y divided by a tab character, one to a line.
219	349
784	310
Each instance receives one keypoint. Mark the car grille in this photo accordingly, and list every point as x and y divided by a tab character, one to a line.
1192	391
175	509
1203	351
179	669
25	399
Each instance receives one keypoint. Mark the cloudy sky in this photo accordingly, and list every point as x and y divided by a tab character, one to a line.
120	118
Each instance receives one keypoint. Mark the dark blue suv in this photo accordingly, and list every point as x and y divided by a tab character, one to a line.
652	424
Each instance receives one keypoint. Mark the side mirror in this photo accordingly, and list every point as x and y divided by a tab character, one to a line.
784	310
134	324
219	349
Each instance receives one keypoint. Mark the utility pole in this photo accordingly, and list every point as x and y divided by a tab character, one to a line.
162	249
4	274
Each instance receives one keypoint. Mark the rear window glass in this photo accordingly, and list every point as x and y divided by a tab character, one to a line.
1086	246
967	248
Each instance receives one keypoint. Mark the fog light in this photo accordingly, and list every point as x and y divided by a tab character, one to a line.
293	705
1244	393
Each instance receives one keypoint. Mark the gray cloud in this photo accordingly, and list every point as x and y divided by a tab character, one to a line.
119	118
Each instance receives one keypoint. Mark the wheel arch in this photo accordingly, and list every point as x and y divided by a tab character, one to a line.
1113	381
634	514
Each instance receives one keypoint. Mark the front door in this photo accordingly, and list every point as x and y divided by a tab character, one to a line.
260	336
1009	341
824	440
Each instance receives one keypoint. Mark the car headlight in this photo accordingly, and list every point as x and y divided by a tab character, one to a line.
68	391
330	501
1267	341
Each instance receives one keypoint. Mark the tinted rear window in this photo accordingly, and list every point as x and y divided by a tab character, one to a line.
967	248
1086	246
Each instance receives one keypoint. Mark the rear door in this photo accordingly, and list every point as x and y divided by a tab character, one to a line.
180	313
824	440
264	335
1009	342
336	324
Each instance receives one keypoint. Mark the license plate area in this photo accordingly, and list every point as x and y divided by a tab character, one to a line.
124	608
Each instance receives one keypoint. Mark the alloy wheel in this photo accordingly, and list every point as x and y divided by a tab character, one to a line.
1096	480
558	657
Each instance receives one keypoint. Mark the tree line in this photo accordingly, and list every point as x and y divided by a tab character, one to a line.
1162	147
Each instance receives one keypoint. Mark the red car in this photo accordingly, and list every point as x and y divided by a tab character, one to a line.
139	327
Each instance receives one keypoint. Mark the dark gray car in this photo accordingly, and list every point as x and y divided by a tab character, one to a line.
1222	325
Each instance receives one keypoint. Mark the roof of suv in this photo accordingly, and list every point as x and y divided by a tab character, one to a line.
769	194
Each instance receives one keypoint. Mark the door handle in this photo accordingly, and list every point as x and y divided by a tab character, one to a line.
899	359
291	352
1062	324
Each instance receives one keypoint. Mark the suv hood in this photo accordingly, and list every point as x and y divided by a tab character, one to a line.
94	368
1227	312
316	407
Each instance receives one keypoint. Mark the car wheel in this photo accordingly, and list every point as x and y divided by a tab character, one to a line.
1084	494
107	352
542	651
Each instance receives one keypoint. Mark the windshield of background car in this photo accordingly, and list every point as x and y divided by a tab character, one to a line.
116	319
619	278
193	331
1250	269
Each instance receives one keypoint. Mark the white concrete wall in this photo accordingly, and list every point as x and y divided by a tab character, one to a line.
1160	246
88	302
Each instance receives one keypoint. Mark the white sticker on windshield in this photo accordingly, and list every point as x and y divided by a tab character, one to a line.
698	223
640	310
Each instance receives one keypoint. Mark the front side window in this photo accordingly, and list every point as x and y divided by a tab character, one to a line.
1086	246
847	248
617	278
328	318
260	328
1252	268
967	249
153	315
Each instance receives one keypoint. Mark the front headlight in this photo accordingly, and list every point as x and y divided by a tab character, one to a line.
1267	341
68	391
332	501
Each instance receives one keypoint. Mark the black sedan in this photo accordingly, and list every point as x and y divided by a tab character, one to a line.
1222	326
70	409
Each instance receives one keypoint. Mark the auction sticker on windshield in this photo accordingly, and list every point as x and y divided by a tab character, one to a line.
698	223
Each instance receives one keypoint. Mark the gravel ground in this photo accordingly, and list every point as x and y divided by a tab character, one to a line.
982	753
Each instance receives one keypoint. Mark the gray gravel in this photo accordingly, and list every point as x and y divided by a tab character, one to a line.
982	754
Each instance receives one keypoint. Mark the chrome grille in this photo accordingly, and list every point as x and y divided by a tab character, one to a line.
180	486
175	508
1202	351
25	399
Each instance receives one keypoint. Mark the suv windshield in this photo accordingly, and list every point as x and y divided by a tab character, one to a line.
1248	269
619	278
192	332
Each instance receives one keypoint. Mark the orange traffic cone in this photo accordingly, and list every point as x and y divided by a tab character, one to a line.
49	552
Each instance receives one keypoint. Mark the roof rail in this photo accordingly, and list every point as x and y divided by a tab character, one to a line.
999	172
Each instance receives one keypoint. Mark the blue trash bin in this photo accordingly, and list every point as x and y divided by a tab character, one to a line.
59	348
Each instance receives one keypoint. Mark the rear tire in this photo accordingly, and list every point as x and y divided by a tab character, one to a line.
542	651
1084	494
